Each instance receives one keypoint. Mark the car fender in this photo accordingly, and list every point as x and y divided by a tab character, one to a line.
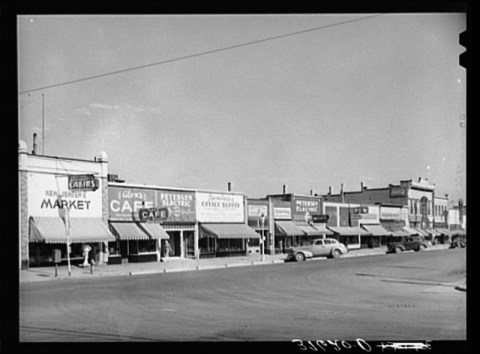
307	254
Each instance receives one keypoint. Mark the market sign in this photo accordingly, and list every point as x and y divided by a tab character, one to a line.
153	214
49	196
83	183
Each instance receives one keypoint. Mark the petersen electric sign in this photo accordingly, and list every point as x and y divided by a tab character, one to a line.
82	183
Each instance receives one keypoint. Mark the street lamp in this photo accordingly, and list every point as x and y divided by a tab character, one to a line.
262	217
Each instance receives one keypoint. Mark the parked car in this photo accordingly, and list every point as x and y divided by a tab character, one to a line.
459	241
408	243
328	247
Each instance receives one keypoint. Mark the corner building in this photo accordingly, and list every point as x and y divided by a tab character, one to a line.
56	215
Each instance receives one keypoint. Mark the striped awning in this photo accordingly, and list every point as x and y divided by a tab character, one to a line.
309	230
377	230
155	231
445	232
350	231
287	228
433	232
322	229
422	232
233	231
129	231
82	230
411	231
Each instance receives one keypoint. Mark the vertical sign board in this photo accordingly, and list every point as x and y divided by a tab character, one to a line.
49	196
220	207
125	203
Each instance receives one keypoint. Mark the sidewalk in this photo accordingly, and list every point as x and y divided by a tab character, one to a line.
174	265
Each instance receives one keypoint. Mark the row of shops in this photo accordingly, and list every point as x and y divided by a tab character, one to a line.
72	205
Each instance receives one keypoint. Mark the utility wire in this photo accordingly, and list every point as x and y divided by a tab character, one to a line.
200	54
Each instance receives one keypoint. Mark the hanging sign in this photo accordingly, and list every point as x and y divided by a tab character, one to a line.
153	214
83	183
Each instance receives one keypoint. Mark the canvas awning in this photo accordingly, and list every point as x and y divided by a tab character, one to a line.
411	231
287	228
82	230
308	229
422	232
377	230
234	231
445	232
155	231
350	231
322	229
396	230
129	231
433	232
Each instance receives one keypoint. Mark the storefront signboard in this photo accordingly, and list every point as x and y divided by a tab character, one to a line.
304	207
125	203
49	196
180	204
255	211
220	207
390	213
83	183
282	213
153	214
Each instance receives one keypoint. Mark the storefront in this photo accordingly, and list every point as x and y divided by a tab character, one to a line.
258	220
223	229
303	208
379	235
225	240
49	233
351	237
152	223
136	242
62	202
286	233
393	218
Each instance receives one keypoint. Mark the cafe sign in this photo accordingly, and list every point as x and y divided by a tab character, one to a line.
83	183
153	214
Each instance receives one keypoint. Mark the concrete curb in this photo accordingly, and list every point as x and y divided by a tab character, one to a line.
223	266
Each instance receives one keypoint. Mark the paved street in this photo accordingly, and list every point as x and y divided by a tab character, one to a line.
408	296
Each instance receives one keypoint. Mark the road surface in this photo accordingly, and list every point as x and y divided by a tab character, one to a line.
409	296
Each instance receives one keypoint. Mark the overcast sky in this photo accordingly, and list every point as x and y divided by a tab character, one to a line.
377	100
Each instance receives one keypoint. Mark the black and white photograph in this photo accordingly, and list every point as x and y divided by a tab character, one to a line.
294	178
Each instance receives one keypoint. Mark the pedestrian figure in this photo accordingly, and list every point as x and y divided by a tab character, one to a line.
166	252
280	244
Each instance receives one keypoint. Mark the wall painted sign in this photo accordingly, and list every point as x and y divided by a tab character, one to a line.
398	192
220	207
49	195
125	203
303	208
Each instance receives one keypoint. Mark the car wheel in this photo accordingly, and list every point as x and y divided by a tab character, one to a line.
398	249
299	257
336	253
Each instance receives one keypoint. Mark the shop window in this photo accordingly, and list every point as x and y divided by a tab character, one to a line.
227	245
142	246
206	245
